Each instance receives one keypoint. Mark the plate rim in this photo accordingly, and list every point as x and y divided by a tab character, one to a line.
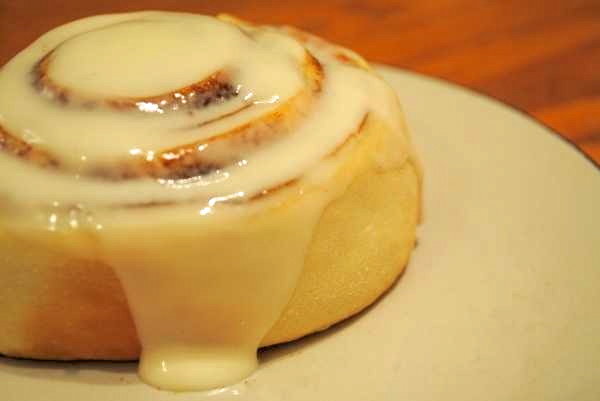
492	99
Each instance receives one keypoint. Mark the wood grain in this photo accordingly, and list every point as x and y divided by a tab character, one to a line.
541	56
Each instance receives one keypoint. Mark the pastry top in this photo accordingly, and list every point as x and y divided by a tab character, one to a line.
155	108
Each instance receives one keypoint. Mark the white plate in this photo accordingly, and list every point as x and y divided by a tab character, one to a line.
501	300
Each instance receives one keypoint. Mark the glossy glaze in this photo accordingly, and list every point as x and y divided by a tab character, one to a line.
121	148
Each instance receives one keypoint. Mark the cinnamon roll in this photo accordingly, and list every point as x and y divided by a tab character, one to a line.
184	189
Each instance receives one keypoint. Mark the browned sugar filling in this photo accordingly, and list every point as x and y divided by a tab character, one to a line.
21	149
216	88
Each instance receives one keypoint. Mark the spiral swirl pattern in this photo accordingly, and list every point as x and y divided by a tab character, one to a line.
209	108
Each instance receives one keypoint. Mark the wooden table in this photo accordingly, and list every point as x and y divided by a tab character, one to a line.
541	56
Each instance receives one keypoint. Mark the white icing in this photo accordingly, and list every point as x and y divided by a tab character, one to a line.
194	335
101	134
203	297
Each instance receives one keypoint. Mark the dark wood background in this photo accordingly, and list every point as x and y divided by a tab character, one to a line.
541	56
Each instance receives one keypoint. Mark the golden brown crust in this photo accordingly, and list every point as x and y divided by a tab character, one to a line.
82	315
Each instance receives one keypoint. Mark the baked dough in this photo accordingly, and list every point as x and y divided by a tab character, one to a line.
295	253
